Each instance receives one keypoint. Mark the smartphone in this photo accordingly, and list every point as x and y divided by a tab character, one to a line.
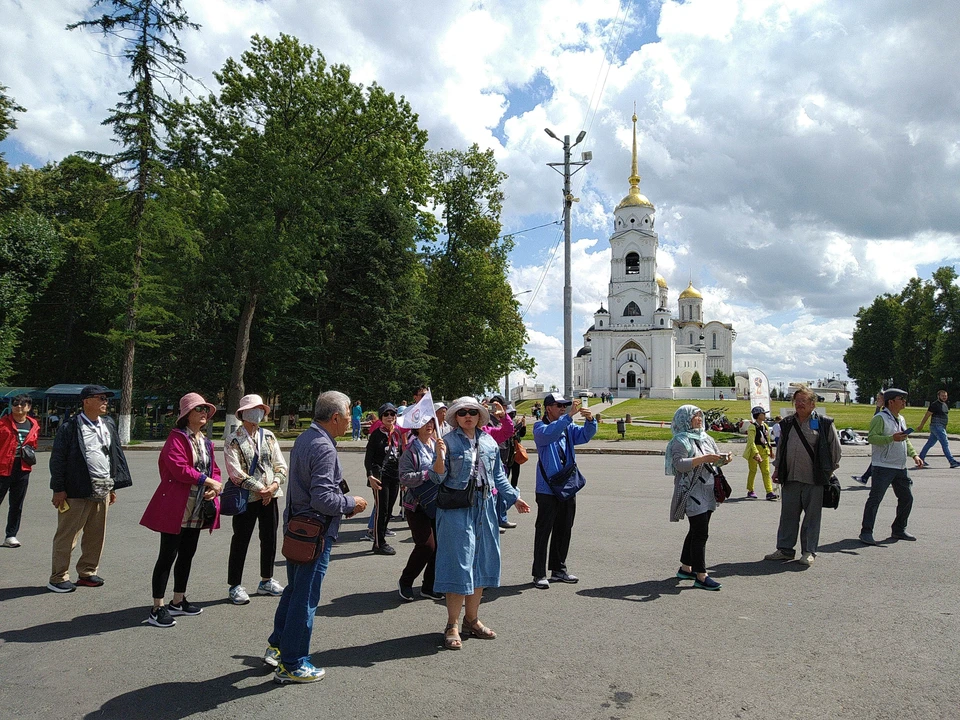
908	431
64	506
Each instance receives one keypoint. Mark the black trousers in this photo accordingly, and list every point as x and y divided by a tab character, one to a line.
553	528
514	474
389	490
181	547
694	551
16	483
269	518
423	557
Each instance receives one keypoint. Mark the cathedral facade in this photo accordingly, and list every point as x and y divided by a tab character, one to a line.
636	347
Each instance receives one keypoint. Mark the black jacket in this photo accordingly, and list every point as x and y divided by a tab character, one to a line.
68	468
382	458
822	457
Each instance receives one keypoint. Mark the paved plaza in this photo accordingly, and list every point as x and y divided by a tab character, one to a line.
866	633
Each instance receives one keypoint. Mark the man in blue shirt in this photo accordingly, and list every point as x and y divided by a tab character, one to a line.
555	437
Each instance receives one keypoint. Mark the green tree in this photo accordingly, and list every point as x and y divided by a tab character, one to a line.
695	379
148	31
947	318
677	382
869	359
476	333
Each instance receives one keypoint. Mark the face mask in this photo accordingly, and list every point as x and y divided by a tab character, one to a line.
254	415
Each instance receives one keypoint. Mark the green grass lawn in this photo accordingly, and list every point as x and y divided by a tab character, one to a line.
857	417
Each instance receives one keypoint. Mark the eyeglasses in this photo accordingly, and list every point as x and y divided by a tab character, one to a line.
21	403
472	412
389	413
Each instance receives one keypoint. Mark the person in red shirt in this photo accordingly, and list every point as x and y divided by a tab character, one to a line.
17	431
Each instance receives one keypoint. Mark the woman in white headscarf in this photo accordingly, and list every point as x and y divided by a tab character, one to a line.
690	456
254	462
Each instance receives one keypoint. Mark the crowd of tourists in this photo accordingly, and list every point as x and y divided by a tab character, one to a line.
455	472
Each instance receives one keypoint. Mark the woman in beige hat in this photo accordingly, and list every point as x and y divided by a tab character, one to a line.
254	463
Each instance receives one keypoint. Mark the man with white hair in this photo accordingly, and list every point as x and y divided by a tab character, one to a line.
315	488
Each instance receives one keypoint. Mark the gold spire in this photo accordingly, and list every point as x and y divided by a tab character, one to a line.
635	198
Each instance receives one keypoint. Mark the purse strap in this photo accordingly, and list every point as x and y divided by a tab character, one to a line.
806	445
472	483
563	458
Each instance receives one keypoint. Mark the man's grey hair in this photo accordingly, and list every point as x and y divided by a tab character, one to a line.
329	404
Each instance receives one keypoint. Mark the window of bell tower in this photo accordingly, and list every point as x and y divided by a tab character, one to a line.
632	310
633	264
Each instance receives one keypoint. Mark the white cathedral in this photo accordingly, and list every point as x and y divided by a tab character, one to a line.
635	347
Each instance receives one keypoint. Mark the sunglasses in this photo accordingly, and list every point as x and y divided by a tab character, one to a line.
101	398
389	413
19	403
471	412
202	409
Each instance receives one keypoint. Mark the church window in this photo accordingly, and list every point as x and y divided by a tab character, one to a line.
661	321
714	341
633	264
601	323
691	338
632	220
632	309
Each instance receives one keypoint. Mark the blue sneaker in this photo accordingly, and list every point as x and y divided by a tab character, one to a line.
306	673
708	583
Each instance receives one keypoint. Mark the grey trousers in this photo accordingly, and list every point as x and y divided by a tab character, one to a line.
794	498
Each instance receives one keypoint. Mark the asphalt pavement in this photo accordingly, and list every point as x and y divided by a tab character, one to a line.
867	632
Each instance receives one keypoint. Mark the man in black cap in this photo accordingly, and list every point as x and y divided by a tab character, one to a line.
87	467
891	447
555	437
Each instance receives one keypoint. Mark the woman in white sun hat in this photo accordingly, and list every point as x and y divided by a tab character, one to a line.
254	463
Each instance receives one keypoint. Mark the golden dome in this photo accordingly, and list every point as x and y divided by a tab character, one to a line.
635	198
691	292
661	281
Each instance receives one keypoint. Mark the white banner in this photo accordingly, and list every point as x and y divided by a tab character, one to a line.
420	414
759	389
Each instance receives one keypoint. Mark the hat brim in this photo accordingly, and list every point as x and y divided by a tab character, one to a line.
466	403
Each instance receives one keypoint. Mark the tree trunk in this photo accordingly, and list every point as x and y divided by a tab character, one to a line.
236	389
130	344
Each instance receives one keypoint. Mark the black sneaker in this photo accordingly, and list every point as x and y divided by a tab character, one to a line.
384	550
160	617
185	607
406	592
432	594
61	587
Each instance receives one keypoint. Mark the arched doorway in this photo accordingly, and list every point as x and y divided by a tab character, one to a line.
631	379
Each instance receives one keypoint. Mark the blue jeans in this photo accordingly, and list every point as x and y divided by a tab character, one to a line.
293	623
355	426
884	477
938	434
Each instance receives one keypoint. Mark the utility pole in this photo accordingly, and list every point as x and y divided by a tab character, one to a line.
568	200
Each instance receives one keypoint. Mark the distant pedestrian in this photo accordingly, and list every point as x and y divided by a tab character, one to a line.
184	504
865	477
809	452
690	457
759	452
316	488
356	417
87	467
17	431
891	448
253	460
937	413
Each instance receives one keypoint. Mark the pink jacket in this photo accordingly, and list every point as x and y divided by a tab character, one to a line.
178	478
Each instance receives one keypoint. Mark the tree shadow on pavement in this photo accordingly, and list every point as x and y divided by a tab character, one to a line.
175	700
80	626
19	592
399	648
643	591
372	603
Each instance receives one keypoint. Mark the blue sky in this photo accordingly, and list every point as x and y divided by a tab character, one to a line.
802	154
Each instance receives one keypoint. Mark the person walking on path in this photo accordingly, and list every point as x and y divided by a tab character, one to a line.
865	477
87	467
759	452
937	414
254	462
17	431
356	418
690	456
184	504
809	452
316	488
891	448
555	437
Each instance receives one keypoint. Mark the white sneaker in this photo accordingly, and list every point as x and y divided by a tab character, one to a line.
269	587
807	559
238	596
11	542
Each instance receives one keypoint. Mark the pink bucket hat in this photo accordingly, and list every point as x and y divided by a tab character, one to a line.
248	402
191	400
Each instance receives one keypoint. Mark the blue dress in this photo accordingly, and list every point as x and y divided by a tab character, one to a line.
468	539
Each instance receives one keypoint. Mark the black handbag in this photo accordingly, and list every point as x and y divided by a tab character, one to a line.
831	493
28	456
450	499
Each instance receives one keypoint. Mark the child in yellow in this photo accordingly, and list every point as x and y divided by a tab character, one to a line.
759	453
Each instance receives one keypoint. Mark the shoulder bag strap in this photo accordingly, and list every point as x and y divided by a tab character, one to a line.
806	445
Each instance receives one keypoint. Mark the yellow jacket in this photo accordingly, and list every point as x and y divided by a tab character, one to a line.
753	448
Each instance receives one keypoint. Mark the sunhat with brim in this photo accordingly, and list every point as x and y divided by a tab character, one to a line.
439	406
466	403
191	400
248	402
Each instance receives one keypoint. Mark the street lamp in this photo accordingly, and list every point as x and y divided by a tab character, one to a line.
568	200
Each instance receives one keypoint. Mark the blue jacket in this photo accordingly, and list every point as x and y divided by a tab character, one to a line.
547	437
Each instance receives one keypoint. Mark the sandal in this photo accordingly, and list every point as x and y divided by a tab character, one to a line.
477	629
451	641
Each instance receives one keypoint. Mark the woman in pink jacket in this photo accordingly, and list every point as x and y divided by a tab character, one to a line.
185	503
